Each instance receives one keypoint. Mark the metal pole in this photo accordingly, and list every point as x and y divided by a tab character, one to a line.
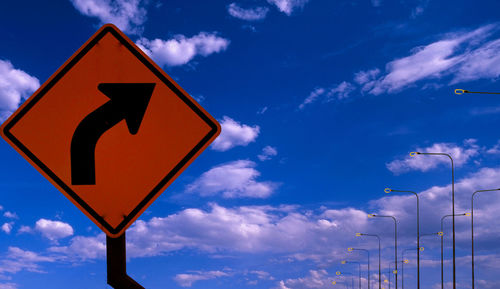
117	264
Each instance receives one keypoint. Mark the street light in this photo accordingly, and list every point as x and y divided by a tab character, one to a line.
452	206
338	273
403	265
388	190
395	240
379	267
472	227
336	282
368	253
442	242
359	269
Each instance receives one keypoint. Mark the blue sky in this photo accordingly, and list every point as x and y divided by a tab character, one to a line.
320	103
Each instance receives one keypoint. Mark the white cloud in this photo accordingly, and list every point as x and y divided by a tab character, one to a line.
7	227
248	229
319	279
24	229
232	180
376	3
180	49
460	155
268	152
10	215
128	15
234	134
8	286
288	6
53	230
251	14
83	248
15	86
18	259
463	55
187	280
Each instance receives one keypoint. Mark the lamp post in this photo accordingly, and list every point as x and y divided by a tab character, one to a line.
472	227
452	206
359	270
442	242
336	282
403	265
388	190
338	273
368	253
395	272
395	240
379	267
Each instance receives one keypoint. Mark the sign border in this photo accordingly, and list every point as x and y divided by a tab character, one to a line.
162	76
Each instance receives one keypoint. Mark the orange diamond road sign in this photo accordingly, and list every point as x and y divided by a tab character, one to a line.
111	130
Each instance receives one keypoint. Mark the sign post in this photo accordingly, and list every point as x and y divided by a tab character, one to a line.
111	130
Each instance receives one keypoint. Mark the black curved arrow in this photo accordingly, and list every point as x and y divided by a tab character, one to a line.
128	101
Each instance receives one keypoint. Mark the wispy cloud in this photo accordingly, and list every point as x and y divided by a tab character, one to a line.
340	91
234	133
181	49
236	179
128	15
15	86
268	152
187	279
249	14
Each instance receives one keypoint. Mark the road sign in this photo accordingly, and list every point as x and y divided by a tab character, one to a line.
111	130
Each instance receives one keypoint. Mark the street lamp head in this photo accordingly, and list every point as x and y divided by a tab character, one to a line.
371	215
386	281
422	248
343	262
406	261
395	272
359	234
467	214
338	273
460	91
334	282
440	234
350	249
387	190
412	154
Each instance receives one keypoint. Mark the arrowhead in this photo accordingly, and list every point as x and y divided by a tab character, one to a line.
130	100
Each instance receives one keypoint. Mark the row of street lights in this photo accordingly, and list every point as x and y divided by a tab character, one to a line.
418	248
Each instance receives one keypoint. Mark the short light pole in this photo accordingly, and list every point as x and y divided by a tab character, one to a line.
395	240
359	269
403	265
379	266
442	244
472	228
368	254
388	190
343	274
337	282
452	206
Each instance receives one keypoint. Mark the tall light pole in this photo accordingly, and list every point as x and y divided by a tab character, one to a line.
379	267
472	228
388	190
395	241
359	270
452	206
368	253
442	242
